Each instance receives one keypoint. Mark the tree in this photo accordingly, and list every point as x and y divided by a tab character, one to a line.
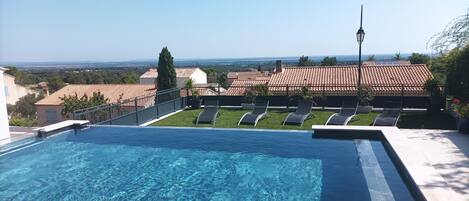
166	74
455	35
304	61
25	107
11	70
458	73
212	74
130	78
73	102
397	56
55	83
259	68
223	80
371	58
329	61
416	58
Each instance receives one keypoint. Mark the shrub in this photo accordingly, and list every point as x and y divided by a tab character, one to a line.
365	96
464	111
436	101
254	91
24	122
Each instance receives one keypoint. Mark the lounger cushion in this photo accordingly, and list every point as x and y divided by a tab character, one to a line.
250	118
385	121
338	120
208	115
296	118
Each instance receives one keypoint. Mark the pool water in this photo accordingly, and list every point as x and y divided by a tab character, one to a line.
130	163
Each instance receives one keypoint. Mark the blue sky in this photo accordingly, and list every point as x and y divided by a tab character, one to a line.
117	30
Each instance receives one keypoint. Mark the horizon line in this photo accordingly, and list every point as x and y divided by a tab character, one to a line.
202	58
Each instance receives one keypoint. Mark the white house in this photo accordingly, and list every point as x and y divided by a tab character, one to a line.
4	130
182	75
13	91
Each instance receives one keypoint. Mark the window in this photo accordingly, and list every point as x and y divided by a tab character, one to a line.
51	116
6	91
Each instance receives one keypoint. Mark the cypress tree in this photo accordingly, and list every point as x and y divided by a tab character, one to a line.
166	74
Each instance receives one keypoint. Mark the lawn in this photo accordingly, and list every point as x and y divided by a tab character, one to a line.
229	119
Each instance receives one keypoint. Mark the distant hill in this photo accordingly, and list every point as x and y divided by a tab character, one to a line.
214	63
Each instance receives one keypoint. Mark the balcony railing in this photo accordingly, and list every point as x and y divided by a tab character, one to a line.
134	111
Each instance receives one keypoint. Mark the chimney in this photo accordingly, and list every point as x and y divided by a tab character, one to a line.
278	66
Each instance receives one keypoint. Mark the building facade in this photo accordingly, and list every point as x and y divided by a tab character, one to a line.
4	130
13	91
49	108
197	75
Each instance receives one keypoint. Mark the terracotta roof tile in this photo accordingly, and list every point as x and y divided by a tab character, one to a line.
247	75
384	79
111	91
238	87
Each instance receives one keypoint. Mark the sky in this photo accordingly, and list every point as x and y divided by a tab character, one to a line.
118	30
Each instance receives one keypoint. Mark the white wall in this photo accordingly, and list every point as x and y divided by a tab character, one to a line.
199	77
15	91
181	82
4	130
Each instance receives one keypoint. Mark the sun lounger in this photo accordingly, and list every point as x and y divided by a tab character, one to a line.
260	111
209	114
301	114
347	112
389	116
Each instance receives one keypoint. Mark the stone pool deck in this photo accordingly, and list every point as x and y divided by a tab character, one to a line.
437	160
448	153
18	133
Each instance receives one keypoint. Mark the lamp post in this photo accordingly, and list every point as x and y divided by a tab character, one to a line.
360	38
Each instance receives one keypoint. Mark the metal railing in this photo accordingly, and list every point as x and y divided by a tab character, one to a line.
134	111
328	95
334	89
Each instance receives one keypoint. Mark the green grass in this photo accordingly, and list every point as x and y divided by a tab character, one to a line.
229	119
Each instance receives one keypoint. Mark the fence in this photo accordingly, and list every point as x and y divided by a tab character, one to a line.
410	95
134	111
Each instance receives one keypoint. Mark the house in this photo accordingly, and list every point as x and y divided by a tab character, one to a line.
4	130
49	108
246	75
13	91
197	75
388	79
384	80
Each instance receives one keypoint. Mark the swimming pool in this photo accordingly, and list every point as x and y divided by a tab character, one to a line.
138	163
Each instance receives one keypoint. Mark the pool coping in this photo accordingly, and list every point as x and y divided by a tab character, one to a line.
412	165
60	126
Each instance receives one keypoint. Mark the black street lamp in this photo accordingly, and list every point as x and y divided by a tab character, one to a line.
360	38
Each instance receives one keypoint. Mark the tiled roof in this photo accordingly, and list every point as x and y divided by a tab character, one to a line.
341	79
238	87
180	72
247	75
111	91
